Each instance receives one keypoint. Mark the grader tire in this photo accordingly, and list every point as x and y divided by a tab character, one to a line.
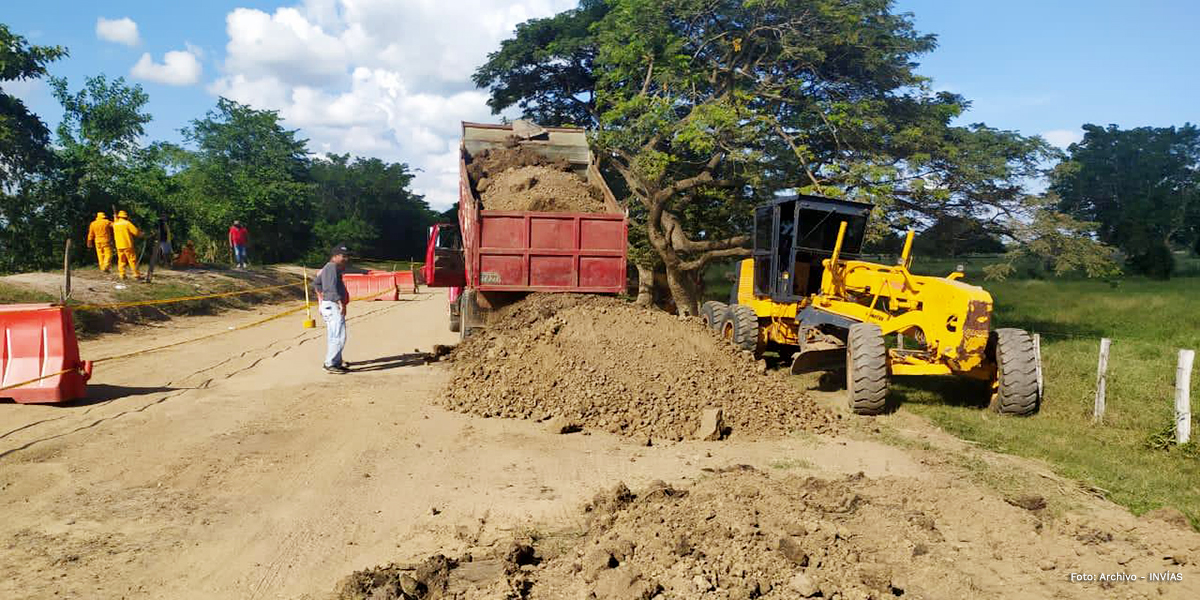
1015	391
740	327
712	314
866	369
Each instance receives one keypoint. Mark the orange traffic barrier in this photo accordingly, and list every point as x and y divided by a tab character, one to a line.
406	282
39	358
371	286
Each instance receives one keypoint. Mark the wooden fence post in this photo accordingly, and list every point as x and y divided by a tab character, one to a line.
1101	380
1183	402
1037	355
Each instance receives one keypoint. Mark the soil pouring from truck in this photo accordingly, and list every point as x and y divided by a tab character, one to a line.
493	257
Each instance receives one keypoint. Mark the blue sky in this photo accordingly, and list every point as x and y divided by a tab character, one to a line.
391	77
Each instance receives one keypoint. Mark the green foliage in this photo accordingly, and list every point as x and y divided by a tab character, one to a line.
367	203
704	108
1141	186
24	139
546	69
245	165
248	167
953	235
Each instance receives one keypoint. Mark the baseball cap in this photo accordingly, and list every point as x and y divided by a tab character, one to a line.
340	249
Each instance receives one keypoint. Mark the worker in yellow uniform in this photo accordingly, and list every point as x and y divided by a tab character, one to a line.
123	234
100	235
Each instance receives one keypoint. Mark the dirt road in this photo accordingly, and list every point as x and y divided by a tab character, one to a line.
236	468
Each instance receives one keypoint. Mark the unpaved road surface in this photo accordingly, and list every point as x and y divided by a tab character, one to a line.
236	468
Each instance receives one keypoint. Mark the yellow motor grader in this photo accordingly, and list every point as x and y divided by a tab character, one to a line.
804	293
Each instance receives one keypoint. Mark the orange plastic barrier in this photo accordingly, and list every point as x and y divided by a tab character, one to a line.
40	355
371	286
406	282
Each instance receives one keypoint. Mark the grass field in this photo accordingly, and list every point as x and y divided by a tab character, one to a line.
1131	455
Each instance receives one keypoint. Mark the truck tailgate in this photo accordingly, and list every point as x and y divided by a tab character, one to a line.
551	252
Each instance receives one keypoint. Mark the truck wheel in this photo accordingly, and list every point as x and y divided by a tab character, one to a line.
866	369
1015	391
740	327
455	319
712	314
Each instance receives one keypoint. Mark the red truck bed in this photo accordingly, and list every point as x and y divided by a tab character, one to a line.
541	251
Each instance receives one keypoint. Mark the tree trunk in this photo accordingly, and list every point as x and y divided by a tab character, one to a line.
645	293
683	291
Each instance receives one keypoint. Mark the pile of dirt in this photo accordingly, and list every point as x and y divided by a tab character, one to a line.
599	363
739	534
541	189
519	179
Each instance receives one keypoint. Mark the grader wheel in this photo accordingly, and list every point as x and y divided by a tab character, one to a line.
866	369
1015	391
740	327
712	314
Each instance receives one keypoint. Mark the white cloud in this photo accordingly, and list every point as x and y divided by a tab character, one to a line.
179	67
1063	137
384	78
120	31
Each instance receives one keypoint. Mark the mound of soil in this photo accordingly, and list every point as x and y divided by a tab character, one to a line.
600	363
541	189
740	534
518	178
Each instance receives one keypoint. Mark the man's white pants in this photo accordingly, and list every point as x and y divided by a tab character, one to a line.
335	332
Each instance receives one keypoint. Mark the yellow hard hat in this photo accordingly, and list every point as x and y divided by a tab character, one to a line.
99	215
122	215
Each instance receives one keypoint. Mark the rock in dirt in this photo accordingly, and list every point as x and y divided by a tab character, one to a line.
712	422
427	580
1169	514
607	365
804	585
1028	502
560	425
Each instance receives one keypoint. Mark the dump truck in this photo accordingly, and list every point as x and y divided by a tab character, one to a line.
806	294
491	258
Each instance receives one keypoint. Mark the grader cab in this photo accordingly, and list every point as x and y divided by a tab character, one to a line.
806	294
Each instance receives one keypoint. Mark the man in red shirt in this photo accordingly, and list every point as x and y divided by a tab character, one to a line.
238	236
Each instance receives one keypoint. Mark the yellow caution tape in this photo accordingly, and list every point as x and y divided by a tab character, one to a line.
182	299
25	383
285	313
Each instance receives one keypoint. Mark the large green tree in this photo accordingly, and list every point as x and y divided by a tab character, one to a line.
24	138
368	203
247	166
706	107
1142	186
25	155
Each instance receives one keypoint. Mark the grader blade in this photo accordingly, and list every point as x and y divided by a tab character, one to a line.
819	356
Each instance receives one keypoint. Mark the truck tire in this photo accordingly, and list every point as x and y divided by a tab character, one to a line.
712	314
866	369
740	327
1015	391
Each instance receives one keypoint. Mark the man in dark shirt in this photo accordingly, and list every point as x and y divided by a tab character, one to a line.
332	299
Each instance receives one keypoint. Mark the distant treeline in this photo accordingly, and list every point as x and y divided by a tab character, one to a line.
238	163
